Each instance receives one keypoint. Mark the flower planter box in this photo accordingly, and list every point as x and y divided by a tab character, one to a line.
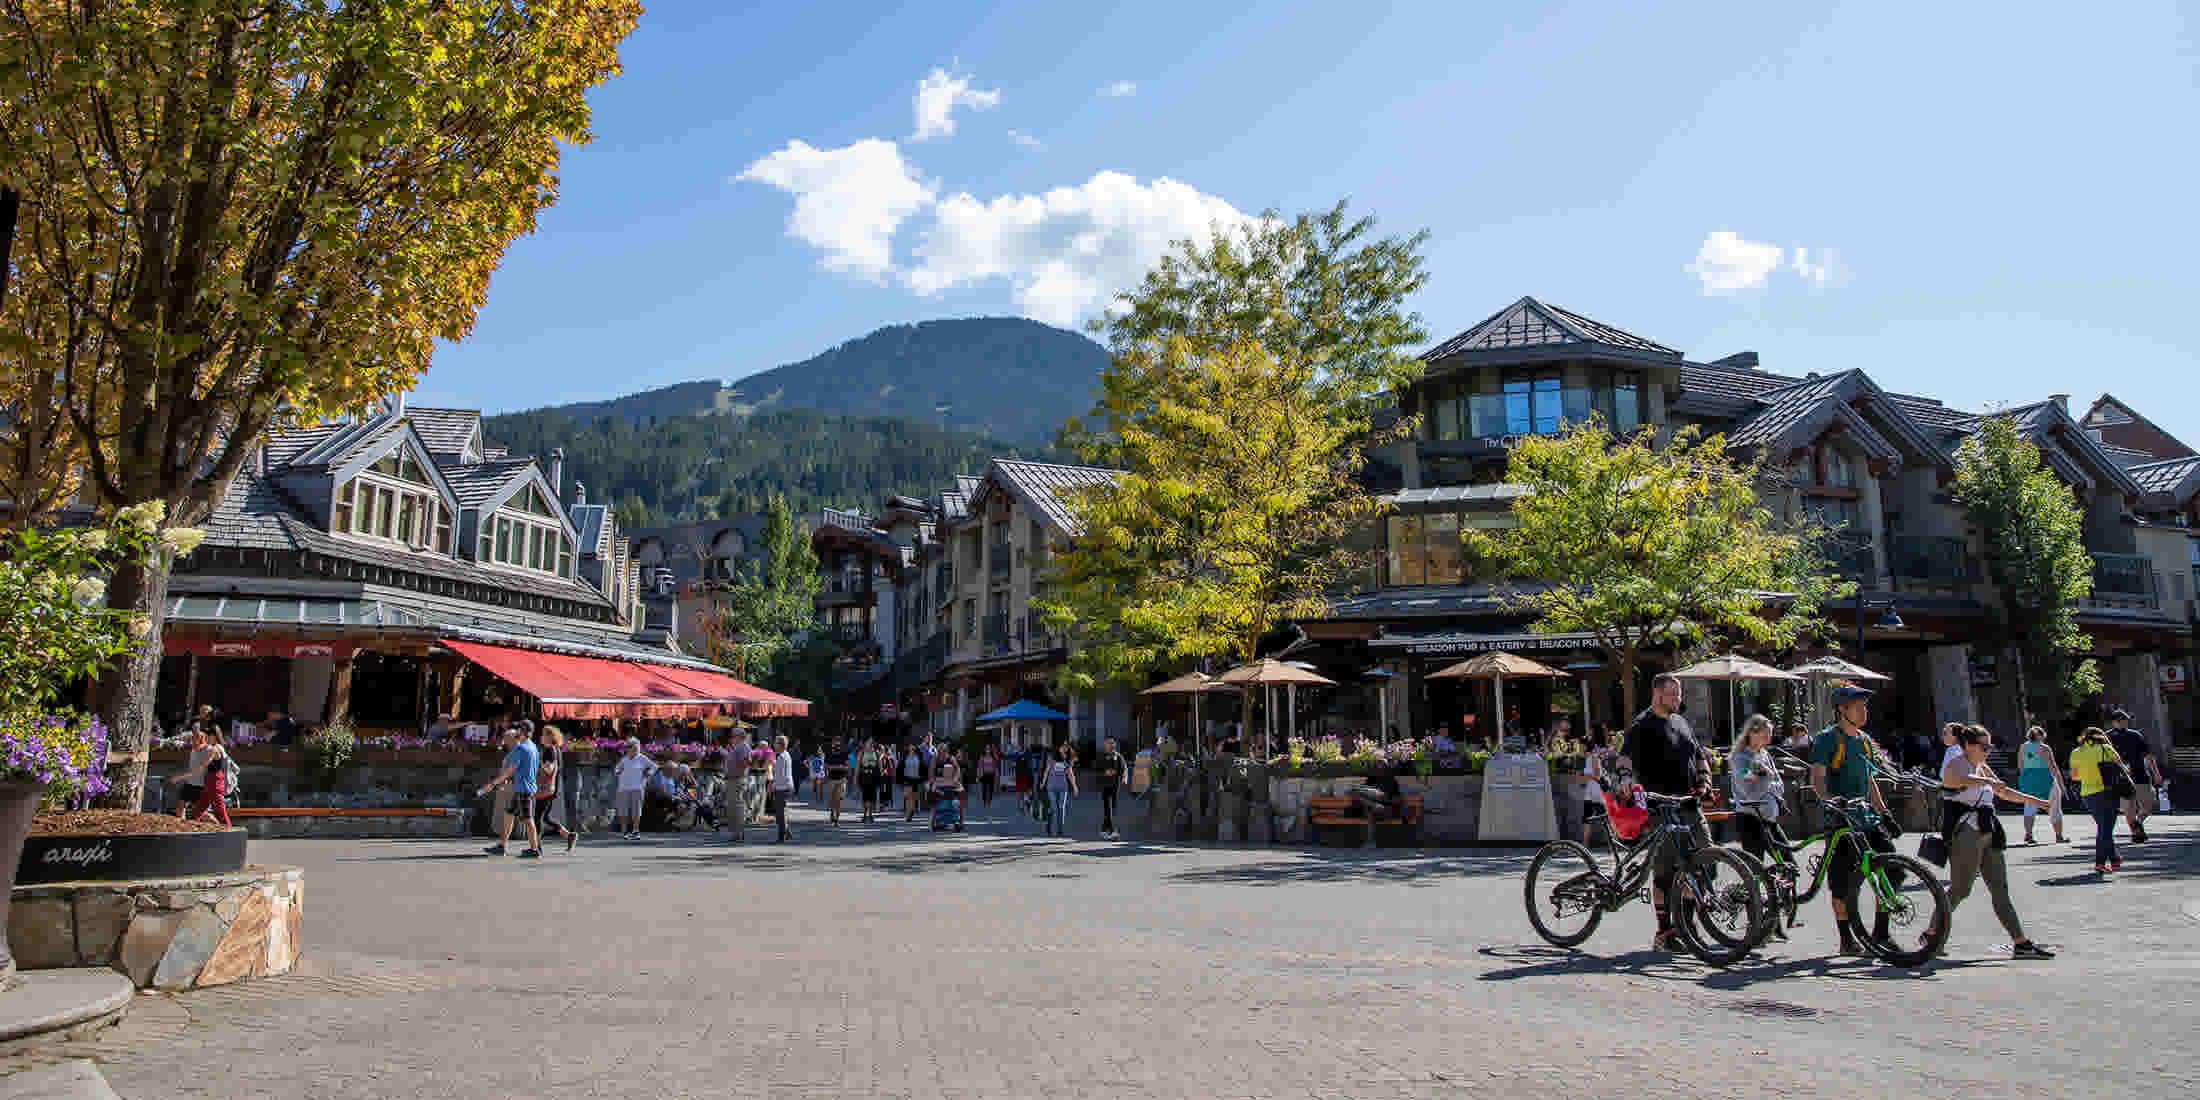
264	755
424	758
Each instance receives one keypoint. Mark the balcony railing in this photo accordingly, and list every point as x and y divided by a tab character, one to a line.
848	633
999	562
2124	581
1850	557
996	632
843	584
1930	560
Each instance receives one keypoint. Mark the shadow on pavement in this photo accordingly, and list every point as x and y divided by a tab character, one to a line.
1355	865
1536	961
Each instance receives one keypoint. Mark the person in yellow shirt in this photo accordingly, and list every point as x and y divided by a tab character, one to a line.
2085	767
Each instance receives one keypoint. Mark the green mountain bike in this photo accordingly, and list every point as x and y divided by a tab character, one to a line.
1908	906
1715	902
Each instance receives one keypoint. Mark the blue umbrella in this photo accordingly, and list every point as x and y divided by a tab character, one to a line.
1024	710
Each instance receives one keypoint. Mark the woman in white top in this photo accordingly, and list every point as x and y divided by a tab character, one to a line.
1975	836
1592	782
775	803
1059	783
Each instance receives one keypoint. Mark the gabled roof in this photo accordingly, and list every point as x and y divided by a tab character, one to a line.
1794	416
2127	457
258	514
2048	421
1729	387
446	431
284	447
2107	411
1529	324
478	483
1042	486
2177	478
346	441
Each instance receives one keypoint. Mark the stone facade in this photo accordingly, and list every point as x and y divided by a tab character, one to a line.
451	823
170	934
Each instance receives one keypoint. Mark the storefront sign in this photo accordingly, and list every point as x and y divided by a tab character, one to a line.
1458	645
2171	677
255	647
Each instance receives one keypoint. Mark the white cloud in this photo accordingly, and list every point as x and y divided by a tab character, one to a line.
938	95
847	201
1025	140
1818	270
1064	253
1120	88
1728	263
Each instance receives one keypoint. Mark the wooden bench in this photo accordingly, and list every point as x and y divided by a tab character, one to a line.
1329	810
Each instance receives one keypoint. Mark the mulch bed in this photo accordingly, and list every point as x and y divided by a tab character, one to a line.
115	823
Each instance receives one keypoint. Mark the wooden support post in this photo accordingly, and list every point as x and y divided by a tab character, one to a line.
339	690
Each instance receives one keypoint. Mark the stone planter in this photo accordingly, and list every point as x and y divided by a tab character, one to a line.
422	758
260	754
18	804
127	856
165	933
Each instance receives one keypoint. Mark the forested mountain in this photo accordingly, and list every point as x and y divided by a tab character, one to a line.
691	467
1002	376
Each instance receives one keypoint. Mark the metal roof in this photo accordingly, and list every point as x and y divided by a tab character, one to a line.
1041	486
1528	323
280	611
1449	498
2164	476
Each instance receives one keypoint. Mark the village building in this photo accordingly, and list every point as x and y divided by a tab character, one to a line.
395	566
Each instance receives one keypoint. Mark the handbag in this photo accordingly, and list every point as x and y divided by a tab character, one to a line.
2114	779
1933	849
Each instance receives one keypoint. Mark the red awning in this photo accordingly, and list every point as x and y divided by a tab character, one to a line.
755	702
603	687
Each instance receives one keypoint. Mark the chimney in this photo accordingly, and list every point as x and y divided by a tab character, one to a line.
580	493
2061	400
557	472
397	407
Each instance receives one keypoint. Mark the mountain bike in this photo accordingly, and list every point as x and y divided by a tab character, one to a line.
1909	923
1714	903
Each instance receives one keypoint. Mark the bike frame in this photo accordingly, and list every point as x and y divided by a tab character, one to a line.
1833	841
1631	862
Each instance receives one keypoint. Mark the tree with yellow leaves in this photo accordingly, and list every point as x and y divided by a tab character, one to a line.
238	214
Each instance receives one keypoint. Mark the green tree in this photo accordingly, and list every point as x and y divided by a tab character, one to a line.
2035	555
1319	292
1645	546
759	623
1233	516
234	214
631	512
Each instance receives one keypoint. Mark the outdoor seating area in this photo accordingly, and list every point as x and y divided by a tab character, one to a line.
1328	813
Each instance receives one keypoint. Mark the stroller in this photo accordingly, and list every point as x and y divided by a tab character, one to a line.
947	809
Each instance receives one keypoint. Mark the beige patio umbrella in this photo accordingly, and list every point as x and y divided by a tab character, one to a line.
1268	672
1733	669
1825	669
1497	667
1195	684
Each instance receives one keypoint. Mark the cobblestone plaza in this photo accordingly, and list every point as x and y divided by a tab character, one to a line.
887	961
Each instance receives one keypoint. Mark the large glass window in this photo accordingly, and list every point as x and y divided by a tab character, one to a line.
504	539
1445	555
1533	406
385	512
408	518
344	496
1407	563
1626	401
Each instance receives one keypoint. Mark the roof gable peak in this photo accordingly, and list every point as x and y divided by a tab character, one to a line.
1529	323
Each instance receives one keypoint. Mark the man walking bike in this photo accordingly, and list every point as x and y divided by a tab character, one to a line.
1841	767
1668	761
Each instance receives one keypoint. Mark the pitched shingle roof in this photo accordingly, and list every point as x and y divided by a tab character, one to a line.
445	431
477	482
2127	457
1784	409
1042	486
283	447
257	514
1528	323
2164	475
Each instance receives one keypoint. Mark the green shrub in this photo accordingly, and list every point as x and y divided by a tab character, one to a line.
329	751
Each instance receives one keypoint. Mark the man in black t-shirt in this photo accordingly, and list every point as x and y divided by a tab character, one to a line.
1668	761
2146	774
1110	769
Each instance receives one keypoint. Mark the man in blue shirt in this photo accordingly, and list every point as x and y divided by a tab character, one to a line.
521	760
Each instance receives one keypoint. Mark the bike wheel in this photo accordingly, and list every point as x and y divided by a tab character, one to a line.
1776	879
1900	911
1565	893
1717	905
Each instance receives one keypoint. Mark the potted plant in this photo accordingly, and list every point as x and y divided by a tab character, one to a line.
55	629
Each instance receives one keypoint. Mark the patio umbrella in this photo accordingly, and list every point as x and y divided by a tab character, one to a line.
1194	684
1023	710
1268	672
1497	667
1827	668
1733	669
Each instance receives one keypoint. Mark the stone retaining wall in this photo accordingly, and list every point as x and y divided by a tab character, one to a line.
172	934
457	823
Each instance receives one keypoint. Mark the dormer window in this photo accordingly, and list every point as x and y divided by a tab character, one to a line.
394	500
524	534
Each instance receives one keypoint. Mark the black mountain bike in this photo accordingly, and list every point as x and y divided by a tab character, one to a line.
1715	903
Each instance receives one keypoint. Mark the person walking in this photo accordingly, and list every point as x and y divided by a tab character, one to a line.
630	776
1759	791
1109	769
814	767
2101	803
2038	776
1842	766
2146	772
912	781
551	786
989	773
213	796
1059	782
836	779
1668	760
867	769
518	780
1975	837
192	780
775	803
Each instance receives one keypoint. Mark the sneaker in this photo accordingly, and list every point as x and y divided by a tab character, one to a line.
2030	950
2115	865
2101	868
2029	842
1667	941
2138	834
1850	948
494	849
531	853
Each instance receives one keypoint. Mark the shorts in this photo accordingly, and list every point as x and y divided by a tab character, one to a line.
1590	811
836	790
627	804
1845	873
525	806
2141	802
868	785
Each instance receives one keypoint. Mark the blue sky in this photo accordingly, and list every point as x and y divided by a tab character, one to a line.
1984	203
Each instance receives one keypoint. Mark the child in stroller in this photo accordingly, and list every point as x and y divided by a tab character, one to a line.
947	810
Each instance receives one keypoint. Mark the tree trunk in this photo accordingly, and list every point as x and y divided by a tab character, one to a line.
123	693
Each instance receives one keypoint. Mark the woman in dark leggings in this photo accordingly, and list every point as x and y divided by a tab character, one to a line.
2085	766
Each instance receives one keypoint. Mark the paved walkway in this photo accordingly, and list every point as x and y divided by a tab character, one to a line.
889	961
